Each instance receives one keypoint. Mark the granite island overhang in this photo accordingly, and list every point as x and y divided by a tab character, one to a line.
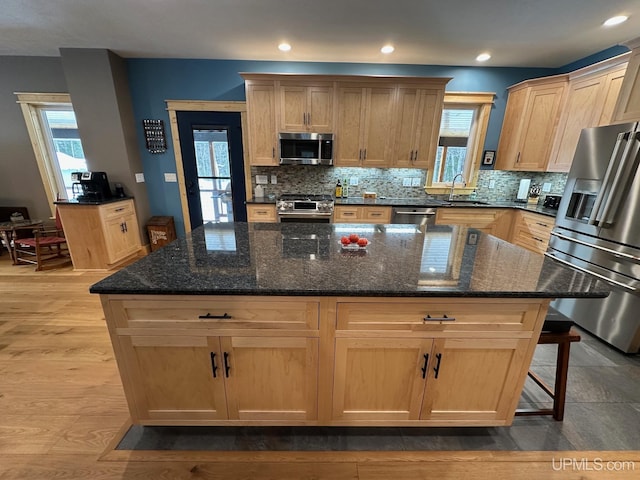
279	324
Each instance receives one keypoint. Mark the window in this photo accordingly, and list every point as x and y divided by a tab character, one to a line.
463	129
53	130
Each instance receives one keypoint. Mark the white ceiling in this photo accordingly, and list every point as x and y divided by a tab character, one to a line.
544	33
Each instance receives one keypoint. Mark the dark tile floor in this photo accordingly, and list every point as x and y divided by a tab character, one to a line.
602	413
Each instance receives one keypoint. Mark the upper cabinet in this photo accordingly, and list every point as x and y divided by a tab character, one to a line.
418	113
305	108
365	123
590	101
261	119
529	124
376	121
628	106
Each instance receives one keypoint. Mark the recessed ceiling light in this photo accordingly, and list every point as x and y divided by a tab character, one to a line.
387	49
284	47
615	20
483	57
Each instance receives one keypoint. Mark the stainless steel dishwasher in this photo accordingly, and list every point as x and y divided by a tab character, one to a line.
423	216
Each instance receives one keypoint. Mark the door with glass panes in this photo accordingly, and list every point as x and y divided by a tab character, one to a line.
212	158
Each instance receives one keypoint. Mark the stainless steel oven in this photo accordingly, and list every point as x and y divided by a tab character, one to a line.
301	208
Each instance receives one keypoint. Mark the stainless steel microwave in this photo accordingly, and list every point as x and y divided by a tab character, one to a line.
306	148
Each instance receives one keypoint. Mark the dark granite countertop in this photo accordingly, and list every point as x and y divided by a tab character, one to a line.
92	202
308	259
427	202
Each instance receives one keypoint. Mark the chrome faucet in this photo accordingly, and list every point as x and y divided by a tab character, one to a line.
453	184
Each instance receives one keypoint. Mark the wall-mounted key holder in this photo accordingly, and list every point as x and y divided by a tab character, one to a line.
154	136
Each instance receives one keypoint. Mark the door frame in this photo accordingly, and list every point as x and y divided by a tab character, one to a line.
174	106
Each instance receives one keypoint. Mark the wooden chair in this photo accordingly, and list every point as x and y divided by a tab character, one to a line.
46	249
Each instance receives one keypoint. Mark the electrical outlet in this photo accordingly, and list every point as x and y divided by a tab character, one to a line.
415	181
139	177
274	179
546	187
353	181
170	177
492	184
262	179
406	182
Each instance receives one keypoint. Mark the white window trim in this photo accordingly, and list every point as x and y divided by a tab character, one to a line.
30	103
483	102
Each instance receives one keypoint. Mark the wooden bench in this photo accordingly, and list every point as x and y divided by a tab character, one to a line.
559	393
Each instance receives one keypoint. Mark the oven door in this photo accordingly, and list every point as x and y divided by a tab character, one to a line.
301	217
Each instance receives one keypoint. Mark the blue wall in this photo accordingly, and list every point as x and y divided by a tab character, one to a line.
153	81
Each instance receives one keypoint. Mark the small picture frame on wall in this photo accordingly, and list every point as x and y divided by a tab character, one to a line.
489	157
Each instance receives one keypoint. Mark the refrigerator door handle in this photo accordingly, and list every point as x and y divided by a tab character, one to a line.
584	270
615	253
613	167
624	176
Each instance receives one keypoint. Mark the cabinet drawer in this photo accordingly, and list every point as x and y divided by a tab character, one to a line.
217	312
377	214
346	214
438	315
532	242
355	214
116	210
261	213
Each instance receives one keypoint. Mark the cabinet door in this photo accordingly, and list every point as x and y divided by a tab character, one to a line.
612	86
320	109
628	104
293	108
407	108
428	127
379	378
580	110
271	378
174	378
473	379
509	144
351	106
118	238
378	131
261	114
540	120
262	213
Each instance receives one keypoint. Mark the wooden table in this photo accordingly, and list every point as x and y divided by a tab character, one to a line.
8	232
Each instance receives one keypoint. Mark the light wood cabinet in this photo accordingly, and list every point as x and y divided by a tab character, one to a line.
429	373
101	237
494	221
250	360
306	108
194	378
262	213
528	129
364	134
361	214
532	231
628	105
419	111
591	97
261	119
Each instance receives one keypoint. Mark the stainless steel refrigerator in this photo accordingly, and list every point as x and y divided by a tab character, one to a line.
597	231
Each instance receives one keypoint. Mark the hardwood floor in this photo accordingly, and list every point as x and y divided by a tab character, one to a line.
62	409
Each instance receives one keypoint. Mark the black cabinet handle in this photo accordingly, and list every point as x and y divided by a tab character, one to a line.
424	367
226	316
437	367
124	224
214	367
227	367
443	318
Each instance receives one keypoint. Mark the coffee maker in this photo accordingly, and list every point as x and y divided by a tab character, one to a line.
92	186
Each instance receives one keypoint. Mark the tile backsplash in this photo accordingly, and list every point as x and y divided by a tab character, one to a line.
389	182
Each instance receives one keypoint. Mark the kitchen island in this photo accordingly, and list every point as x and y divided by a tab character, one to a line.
279	324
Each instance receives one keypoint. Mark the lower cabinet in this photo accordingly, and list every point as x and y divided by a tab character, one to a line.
192	378
262	213
532	231
360	214
494	221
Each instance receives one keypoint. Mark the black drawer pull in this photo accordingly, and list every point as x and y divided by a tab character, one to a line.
424	367
443	318
214	367
227	367
226	316
437	367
